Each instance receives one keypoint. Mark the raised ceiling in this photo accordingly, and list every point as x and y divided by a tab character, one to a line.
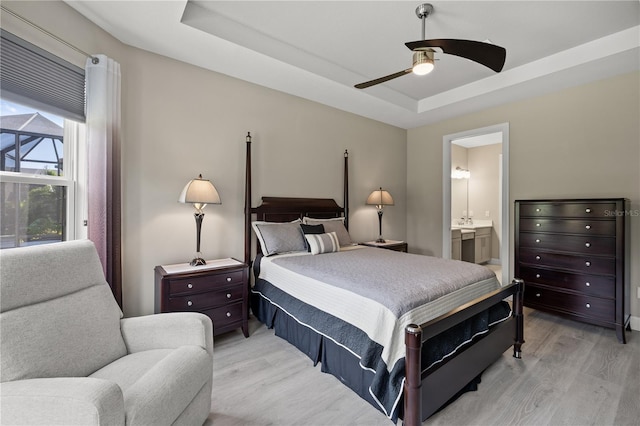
319	49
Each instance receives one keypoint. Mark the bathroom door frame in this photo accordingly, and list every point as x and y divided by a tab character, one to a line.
504	199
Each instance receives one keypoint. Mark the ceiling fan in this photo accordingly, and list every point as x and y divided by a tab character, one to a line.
487	54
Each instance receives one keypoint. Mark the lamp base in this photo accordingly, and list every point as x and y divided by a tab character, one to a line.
198	261
380	240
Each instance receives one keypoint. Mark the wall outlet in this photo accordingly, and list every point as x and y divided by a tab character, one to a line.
486	213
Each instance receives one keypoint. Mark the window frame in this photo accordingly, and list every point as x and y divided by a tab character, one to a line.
72	171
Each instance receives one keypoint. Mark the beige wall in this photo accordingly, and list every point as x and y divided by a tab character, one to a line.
485	188
579	142
180	120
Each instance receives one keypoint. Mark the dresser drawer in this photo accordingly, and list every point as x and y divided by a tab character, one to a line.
584	305
597	210
197	284
569	226
225	315
205	300
581	263
594	285
570	243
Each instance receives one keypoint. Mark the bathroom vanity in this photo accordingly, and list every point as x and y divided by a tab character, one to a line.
474	240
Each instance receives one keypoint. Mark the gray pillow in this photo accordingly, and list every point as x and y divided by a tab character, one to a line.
278	237
333	225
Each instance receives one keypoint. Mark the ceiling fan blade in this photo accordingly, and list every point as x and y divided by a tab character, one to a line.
382	79
487	54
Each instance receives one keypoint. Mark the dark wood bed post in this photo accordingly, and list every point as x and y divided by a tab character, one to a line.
413	379
247	204
345	204
519	315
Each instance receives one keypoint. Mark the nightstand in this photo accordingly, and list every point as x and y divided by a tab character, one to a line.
389	245
218	289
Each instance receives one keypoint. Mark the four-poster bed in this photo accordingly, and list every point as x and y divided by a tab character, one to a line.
406	369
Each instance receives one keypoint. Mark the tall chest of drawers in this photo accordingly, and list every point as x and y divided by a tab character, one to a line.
573	257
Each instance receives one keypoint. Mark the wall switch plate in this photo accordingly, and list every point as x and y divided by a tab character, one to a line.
638	292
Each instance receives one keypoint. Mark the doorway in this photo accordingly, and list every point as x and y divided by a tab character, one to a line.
501	132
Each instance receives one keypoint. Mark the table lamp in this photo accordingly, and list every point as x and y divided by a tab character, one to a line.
380	198
200	192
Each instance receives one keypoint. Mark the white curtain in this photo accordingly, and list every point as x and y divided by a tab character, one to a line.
103	147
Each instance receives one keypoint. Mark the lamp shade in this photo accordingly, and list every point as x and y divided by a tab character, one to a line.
201	192
380	197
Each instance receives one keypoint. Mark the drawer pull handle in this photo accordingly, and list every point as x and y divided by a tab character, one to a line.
537	210
587	263
537	240
588	305
189	303
588	284
538	225
228	295
189	285
587	227
537	275
228	314
228	279
587	210
538	295
537	257
587	245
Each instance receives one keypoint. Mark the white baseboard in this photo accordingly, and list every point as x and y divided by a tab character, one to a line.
495	262
634	322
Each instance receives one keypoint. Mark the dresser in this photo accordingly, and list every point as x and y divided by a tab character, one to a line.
218	289
573	256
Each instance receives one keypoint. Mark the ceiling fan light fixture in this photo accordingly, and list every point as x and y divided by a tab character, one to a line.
423	62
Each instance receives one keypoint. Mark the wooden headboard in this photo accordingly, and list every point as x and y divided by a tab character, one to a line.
286	209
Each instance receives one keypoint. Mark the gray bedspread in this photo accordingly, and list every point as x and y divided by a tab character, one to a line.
399	281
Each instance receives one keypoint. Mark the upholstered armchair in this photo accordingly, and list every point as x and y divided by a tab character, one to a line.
68	357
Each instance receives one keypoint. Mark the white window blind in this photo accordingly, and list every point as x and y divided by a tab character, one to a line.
32	76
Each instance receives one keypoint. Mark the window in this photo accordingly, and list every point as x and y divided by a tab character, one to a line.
38	190
42	166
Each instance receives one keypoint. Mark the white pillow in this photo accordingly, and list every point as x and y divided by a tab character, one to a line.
332	225
323	243
277	237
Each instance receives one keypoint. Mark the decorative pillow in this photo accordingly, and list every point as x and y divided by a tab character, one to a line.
323	243
311	229
332	225
276	237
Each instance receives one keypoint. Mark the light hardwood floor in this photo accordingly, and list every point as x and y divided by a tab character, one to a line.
571	374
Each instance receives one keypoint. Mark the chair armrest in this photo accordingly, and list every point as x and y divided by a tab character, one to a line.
62	400
167	331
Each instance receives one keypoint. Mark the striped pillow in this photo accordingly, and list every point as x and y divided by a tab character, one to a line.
323	243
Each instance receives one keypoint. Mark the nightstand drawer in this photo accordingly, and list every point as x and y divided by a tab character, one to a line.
225	315
199	284
205	300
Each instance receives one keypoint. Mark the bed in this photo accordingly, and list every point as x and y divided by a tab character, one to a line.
408	333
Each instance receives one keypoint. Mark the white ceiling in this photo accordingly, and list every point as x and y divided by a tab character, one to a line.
319	49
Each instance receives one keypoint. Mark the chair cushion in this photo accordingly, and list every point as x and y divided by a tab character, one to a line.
73	335
158	384
35	274
58	317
